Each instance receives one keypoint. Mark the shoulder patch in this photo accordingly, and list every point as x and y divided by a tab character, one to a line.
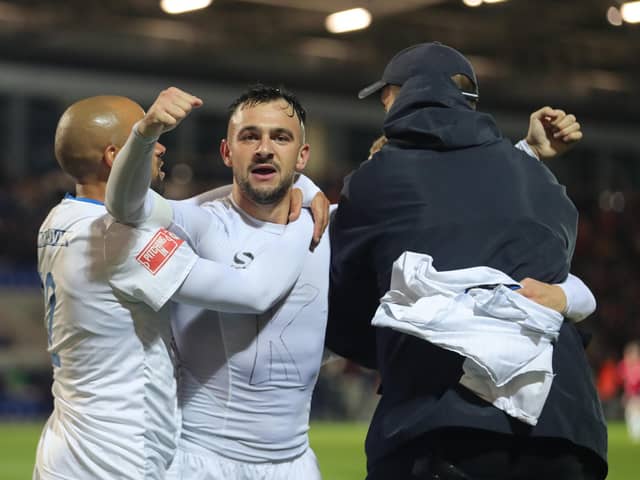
159	250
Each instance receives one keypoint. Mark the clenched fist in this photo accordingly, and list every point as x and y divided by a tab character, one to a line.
552	132
169	109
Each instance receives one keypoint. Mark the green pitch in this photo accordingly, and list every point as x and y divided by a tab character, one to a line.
337	445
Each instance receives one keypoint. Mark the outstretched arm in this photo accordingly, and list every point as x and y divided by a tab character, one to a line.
154	265
254	289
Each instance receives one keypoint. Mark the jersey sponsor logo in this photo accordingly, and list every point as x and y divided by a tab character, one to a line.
52	237
242	259
159	250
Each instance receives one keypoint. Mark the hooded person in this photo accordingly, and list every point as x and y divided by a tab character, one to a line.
447	184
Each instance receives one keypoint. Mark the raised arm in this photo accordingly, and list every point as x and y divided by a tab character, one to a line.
551	133
128	198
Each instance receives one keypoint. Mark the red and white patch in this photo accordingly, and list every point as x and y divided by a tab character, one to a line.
159	250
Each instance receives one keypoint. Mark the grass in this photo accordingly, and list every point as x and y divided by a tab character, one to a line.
18	442
624	456
339	447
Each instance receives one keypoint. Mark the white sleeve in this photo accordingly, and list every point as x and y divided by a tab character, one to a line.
152	265
257	287
526	148
309	189
147	263
128	198
209	195
580	300
191	221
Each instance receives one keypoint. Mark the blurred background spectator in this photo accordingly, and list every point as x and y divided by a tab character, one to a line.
629	370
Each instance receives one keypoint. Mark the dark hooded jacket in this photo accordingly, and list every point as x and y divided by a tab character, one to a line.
447	184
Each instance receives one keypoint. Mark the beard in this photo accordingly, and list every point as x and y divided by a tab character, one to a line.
158	186
157	177
266	195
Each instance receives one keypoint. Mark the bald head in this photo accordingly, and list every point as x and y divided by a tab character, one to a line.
91	130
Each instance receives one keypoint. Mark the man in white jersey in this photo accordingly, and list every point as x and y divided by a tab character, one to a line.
115	410
245	380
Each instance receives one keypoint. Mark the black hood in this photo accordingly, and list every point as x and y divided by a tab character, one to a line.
431	113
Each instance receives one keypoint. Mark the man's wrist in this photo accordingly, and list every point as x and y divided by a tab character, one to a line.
528	148
142	132
308	188
565	308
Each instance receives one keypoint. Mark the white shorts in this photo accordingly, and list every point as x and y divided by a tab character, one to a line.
204	465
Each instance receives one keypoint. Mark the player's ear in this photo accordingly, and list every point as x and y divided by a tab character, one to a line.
225	152
303	157
109	155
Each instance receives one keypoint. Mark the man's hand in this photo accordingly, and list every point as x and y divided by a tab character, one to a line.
552	132
170	108
319	212
551	296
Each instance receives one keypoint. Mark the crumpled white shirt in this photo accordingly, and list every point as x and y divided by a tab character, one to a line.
506	338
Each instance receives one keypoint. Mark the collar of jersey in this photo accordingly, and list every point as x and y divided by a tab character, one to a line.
271	227
82	199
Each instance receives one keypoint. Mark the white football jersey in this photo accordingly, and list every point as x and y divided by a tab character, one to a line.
115	411
245	381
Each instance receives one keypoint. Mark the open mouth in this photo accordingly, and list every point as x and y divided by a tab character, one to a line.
263	172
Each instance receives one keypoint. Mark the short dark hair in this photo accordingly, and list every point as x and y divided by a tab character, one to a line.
258	94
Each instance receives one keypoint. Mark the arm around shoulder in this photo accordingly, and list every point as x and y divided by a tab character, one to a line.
256	287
